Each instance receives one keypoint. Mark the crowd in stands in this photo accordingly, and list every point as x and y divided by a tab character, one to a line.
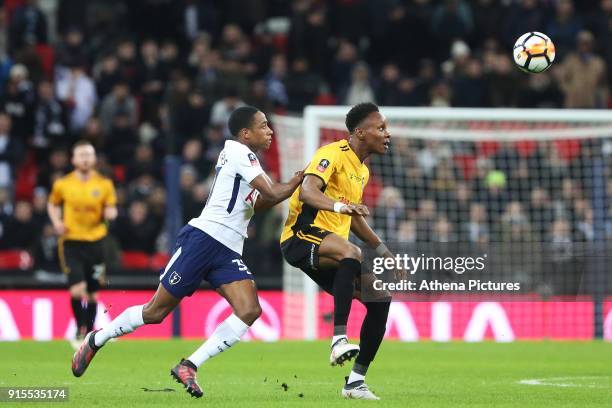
144	78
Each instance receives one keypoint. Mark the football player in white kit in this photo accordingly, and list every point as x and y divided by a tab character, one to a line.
210	247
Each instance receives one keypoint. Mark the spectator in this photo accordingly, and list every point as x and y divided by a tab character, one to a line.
122	139
460	202
523	16
443	231
222	109
39	207
21	229
425	220
541	92
193	115
564	27
77	91
407	232
57	166
387	92
11	152
515	225
18	102
28	26
308	35
476	230
503	83
151	78
45	251
451	20
128	62
495	196
118	102
191	208
585	230
93	133
107	75
135	230
192	155
50	122
71	49
389	213
470	89
342	66
541	212
275	81
583	76
360	89
143	163
302	85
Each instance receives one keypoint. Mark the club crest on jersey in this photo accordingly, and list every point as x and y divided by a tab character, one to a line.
174	278
253	159
323	164
95	193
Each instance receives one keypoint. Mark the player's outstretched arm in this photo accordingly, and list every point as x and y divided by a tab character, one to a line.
312	195
272	193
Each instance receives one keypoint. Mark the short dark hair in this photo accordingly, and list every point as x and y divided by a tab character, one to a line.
241	118
358	113
80	143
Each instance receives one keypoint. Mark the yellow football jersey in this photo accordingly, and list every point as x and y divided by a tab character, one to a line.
345	177
83	204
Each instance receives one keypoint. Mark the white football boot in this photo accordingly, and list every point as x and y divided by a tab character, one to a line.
358	390
342	351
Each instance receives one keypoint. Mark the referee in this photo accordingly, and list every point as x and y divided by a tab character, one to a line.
80	204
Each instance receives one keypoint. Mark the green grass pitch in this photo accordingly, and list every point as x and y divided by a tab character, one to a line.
132	373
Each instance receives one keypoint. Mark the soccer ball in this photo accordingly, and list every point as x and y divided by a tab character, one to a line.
534	52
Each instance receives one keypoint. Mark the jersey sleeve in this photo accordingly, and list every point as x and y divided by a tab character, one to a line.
324	163
56	196
247	164
110	198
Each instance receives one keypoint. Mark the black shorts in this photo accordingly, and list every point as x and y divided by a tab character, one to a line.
83	261
302	251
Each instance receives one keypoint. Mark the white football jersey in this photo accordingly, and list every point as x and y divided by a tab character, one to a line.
230	203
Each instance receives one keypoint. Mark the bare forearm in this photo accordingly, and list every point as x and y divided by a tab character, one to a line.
55	213
316	199
364	232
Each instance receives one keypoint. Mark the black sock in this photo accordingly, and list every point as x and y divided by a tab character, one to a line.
78	312
343	291
92	308
372	333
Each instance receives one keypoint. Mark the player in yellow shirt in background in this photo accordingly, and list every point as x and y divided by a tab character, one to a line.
322	212
80	205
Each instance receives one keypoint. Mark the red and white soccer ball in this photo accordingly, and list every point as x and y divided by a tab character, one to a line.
534	52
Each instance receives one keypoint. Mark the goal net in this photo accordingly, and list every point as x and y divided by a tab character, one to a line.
538	179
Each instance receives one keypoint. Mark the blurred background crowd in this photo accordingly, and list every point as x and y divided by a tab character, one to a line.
144	78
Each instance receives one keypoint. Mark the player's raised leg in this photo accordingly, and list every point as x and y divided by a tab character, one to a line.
336	252
242	296
160	305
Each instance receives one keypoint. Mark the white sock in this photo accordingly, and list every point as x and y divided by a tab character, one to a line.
355	377
225	336
125	323
336	338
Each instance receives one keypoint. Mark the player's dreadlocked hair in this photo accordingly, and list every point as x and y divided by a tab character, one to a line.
241	118
358	113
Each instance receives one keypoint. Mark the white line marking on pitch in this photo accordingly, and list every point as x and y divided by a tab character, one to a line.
564	382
